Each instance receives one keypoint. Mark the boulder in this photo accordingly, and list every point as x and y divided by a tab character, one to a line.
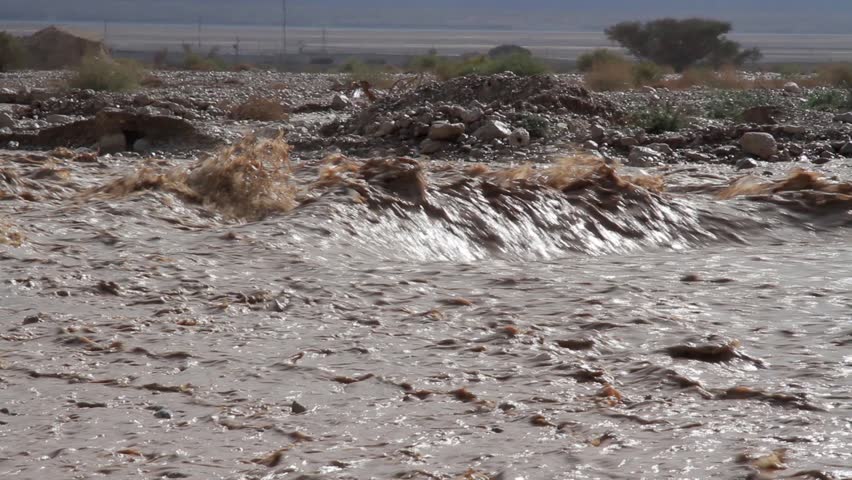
429	146
846	149
6	121
520	137
644	157
471	115
492	130
792	87
444	131
759	144
340	102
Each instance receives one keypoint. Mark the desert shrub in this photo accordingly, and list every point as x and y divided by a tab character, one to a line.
523	65
12	52
731	105
193	60
836	75
660	119
830	100
107	74
260	109
599	56
376	75
606	77
537	125
424	63
647	73
681	43
508	51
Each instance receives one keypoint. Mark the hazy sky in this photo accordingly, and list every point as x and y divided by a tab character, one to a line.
818	16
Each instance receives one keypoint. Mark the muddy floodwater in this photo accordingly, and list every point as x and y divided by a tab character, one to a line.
398	319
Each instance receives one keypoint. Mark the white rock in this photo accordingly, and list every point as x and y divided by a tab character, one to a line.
340	102
446	131
520	137
759	144
792	87
493	130
663	148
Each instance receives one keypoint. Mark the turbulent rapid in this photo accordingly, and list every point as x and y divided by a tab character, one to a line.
245	316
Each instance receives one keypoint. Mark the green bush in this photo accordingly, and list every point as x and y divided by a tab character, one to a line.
508	50
830	100
375	75
647	73
601	56
537	125
424	63
519	64
12	52
682	43
660	119
106	74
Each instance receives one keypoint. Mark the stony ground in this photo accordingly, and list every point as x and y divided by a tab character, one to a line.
497	118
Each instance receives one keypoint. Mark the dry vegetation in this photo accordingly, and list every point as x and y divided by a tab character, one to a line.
107	74
9	235
259	109
247	181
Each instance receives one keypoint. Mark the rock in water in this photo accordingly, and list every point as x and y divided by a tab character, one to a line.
644	157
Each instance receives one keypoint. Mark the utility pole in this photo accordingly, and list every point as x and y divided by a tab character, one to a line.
105	32
283	31
324	41
200	19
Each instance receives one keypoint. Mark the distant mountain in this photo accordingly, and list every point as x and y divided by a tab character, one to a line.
782	16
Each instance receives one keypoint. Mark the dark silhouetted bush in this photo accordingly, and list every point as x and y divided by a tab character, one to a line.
681	43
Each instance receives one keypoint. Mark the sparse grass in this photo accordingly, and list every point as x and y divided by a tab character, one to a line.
613	73
610	76
731	105
835	75
193	60
259	109
831	100
660	119
107	74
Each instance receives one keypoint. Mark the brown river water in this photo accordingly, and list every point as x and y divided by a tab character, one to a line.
242	318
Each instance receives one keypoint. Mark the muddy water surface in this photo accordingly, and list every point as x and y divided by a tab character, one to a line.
403	323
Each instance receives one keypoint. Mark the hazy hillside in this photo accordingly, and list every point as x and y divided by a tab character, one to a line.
785	16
